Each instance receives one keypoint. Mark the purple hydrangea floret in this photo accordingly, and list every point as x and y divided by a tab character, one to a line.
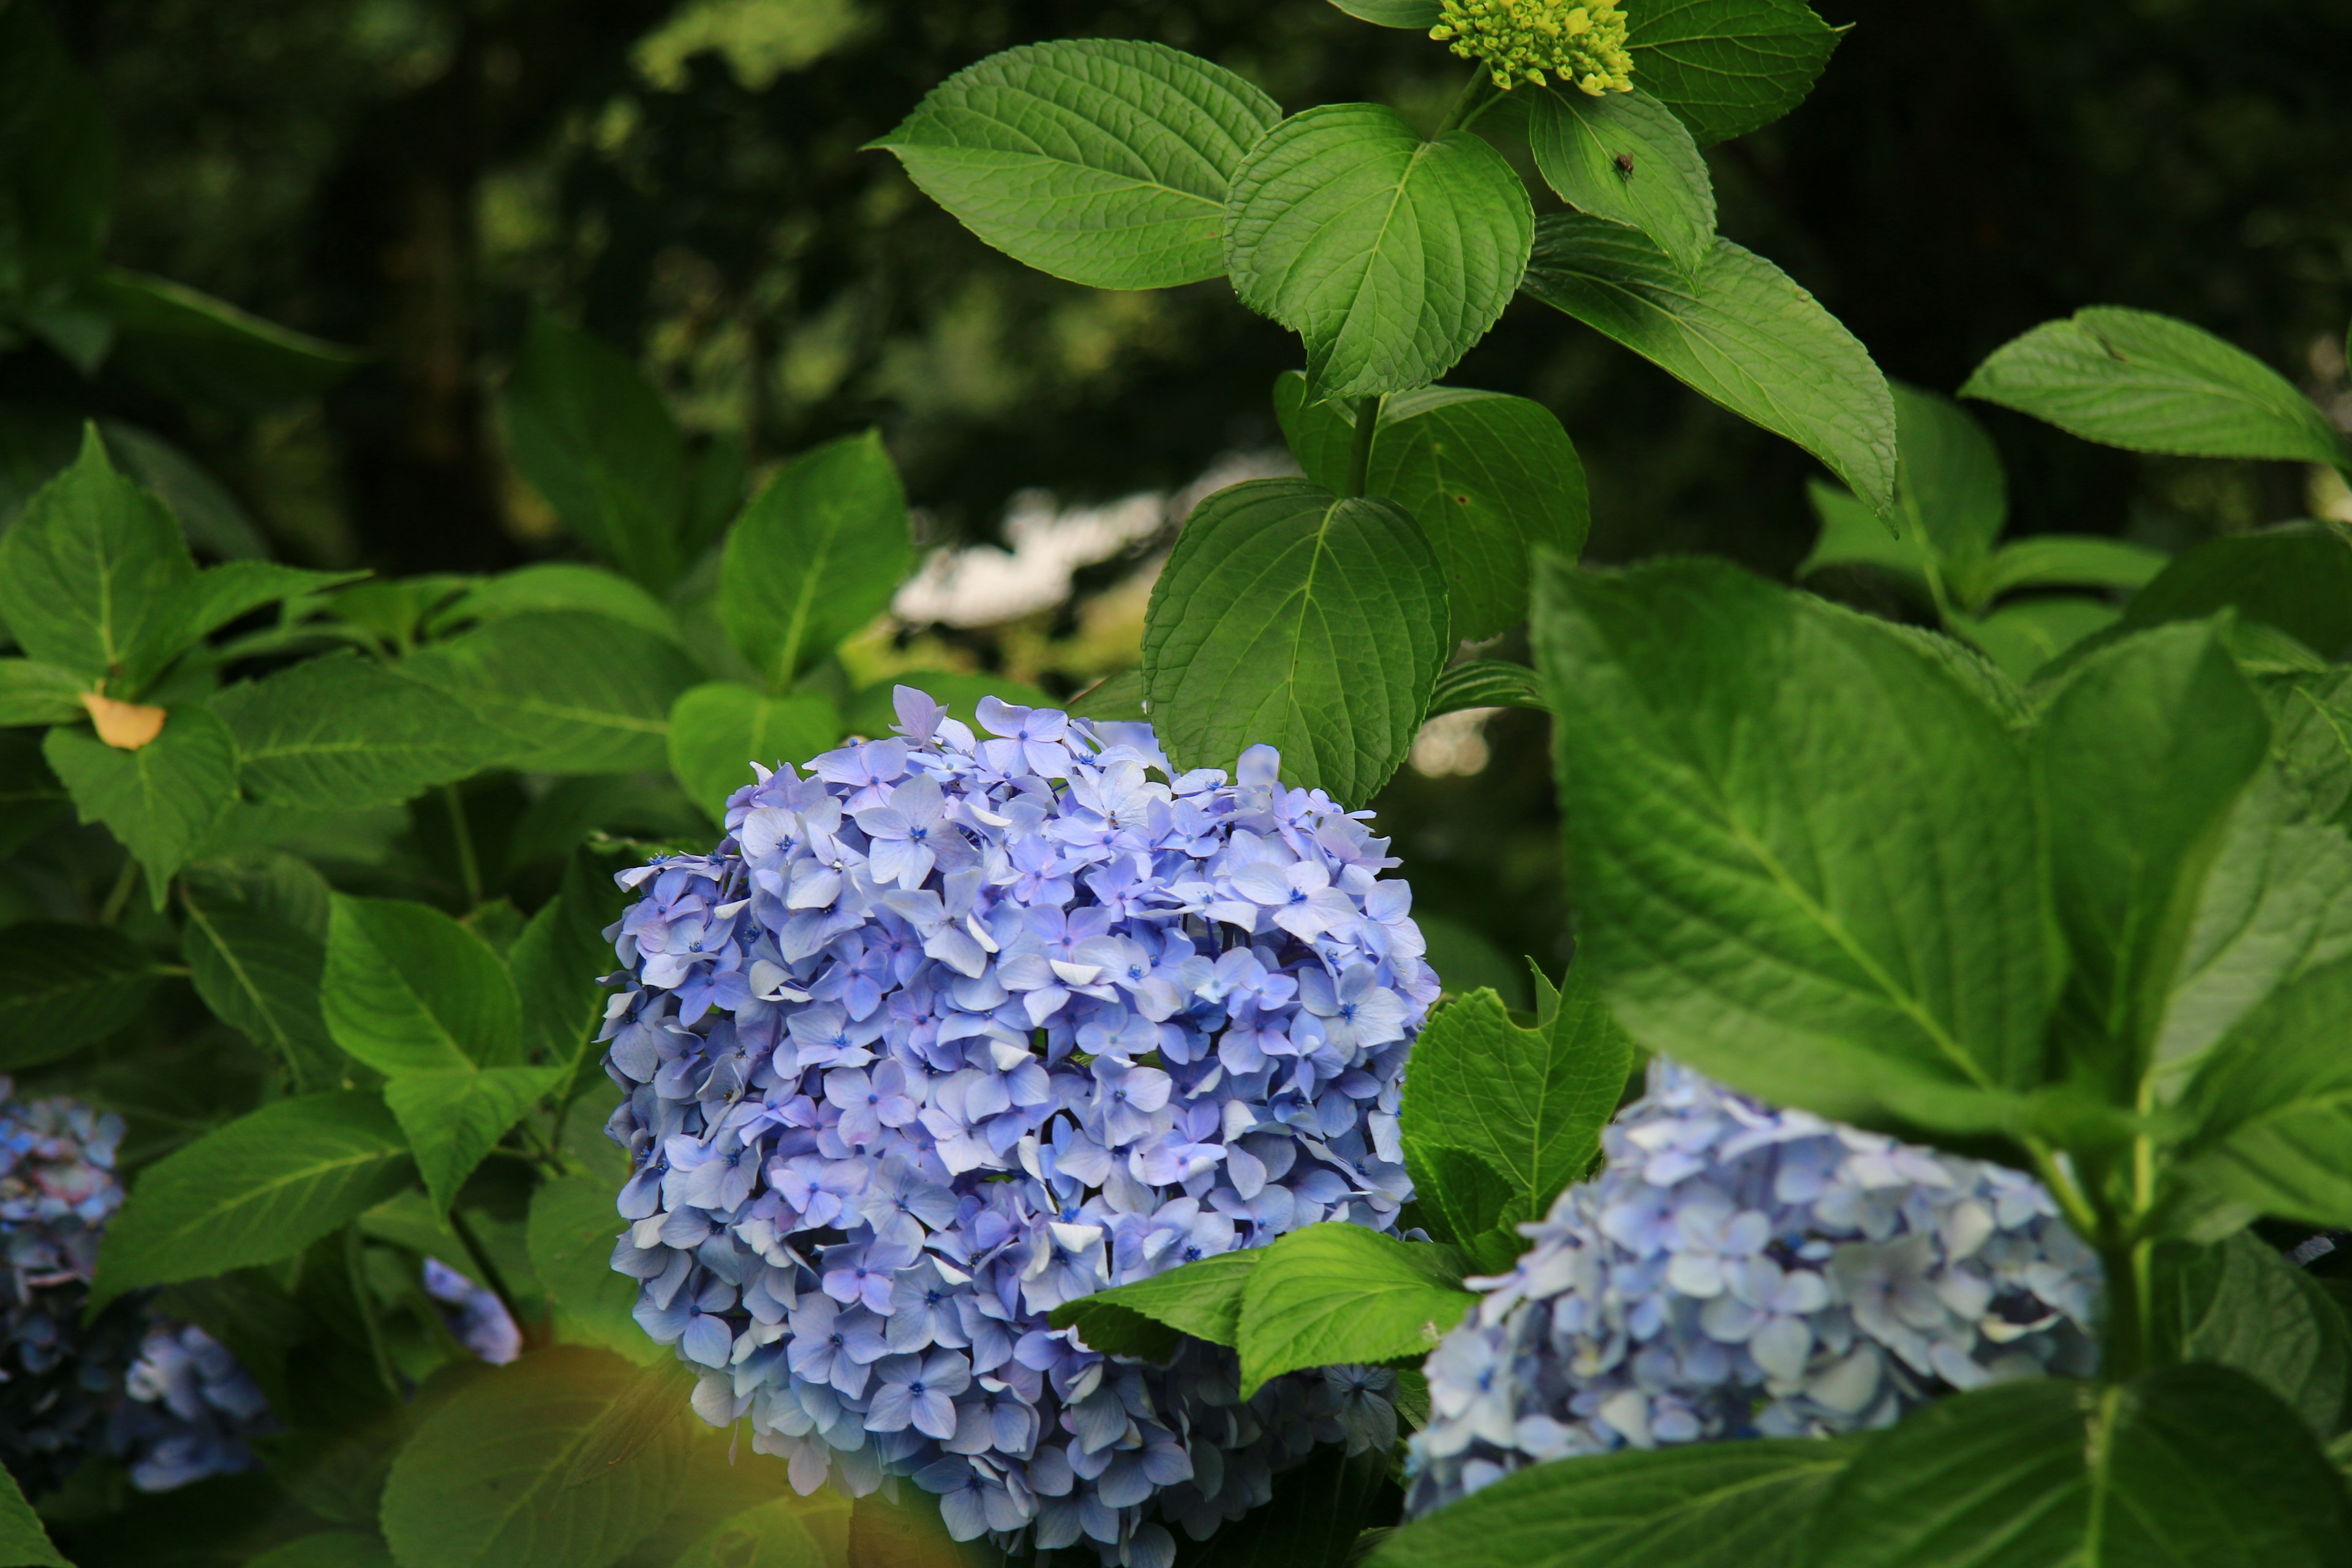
958	1027
475	1316
1734	1272
191	1410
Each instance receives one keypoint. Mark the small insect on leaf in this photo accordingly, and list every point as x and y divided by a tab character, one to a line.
1624	165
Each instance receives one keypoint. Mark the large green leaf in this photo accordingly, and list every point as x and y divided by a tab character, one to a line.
158	800
207	352
219	594
591	434
1948	482
2135	379
1490	479
92	571
1727	66
259	1189
814	557
2311	724
1345	1293
573	1224
1389	254
2071	561
1742	334
341	732
2240	1304
772	1534
62	986
1203	1298
327	1549
1487	683
560	961
2192	1465
2141	755
32	692
1805	847
495	1476
2271	1107
1530	1103
2023	638
570	692
1854	536
410	990
2297	577
1707	1505
24	1541
1104	161
719	729
263	976
1626	157
1419	16
557	585
1291	618
454	1116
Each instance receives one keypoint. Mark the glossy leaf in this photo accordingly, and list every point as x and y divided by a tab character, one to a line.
1345	1293
90	570
1743	334
814	557
1290	617
1626	157
2242	1305
410	990
1487	683
262	1188
157	801
1806	849
1727	66
341	733
2273	1107
2297	577
1203	1299
2138	380
62	986
569	693
719	729
1389	254
1702	1505
1104	161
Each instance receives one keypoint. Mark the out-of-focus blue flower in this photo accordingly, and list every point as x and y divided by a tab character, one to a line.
475	1316
1739	1271
963	1026
164	1397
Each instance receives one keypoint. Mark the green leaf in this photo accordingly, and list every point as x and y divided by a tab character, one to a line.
1104	161
62	986
454	1116
814	557
259	1189
32	692
1389	254
1203	1299
1743	334
343	732
1117	699
559	965
2151	383
1332	1294
570	692
2190	1465
2297	577
31	799
1466	1203
24	1542
487	1478
91	569
1728	67
1805	848
207	352
328	1549
2071	561
1420	15
2271	1107
1626	157
211	518
1707	1505
1949	483
572	1227
410	990
557	585
1530	1103
263	976
1290	617
2142	755
1312	1520
771	1535
219	594
1854	536
159	800
2311	739
2242	1305
1487	683
719	729
2023	638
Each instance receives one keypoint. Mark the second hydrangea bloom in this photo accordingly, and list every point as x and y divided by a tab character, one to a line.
1741	1271
961	1027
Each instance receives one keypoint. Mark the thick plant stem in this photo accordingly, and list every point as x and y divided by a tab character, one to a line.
1478	94
1360	456
2124	1349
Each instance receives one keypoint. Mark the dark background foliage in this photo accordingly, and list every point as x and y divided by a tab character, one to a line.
411	177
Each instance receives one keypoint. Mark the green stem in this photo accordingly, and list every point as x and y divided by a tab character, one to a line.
468	868
354	1247
1359	454
2123	1348
1478	96
491	1277
119	898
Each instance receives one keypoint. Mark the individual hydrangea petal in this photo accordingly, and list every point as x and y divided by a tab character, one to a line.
961	1025
1738	1271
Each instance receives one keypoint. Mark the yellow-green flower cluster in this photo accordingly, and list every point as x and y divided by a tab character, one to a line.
1583	44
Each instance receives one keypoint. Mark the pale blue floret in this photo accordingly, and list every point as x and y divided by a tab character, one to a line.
962	1026
1739	1271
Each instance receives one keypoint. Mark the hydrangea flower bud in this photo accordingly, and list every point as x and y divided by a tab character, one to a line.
166	1398
1581	43
1739	1271
962	1026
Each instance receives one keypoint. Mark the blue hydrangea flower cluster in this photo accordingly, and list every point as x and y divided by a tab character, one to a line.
476	1318
1741	1271
164	1398
958	1027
